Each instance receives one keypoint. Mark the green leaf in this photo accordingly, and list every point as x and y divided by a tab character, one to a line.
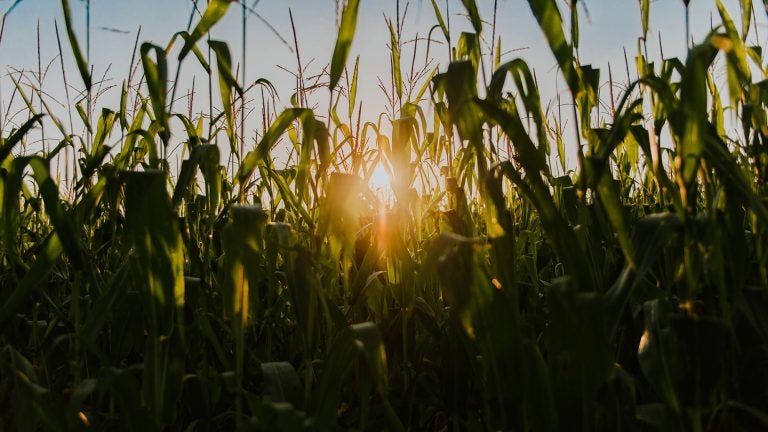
542	411
152	230
270	138
396	72
103	129
659	416
474	15
560	235
343	41
573	6
760	416
746	17
659	353
528	92
497	54
651	235
469	49
578	349
243	241
33	279
82	62
645	6
195	50
693	103
609	198
281	383
550	21
7	145
441	21
201	156
157	261
83	116
353	88
36	407
358	342
458	84
739	72
63	239
716	153
227	82
149	141
156	74
308	125
213	13
62	222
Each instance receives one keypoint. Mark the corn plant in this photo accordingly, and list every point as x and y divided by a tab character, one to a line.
499	286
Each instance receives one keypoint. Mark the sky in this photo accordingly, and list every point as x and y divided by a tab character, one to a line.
608	27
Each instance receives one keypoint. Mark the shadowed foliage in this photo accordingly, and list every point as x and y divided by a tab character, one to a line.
492	288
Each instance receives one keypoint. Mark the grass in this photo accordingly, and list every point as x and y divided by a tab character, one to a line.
488	292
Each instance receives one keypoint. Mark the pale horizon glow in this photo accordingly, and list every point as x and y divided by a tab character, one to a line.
608	29
380	179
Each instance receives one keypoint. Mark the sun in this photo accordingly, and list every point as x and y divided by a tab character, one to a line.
380	180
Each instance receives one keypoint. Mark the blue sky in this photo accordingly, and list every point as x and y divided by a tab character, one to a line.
609	27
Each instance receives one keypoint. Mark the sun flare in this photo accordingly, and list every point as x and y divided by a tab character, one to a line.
409	203
380	180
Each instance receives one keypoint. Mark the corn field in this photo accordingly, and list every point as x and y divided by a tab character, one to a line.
498	285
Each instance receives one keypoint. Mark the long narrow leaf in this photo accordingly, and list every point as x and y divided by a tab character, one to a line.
213	13
82	62
343	41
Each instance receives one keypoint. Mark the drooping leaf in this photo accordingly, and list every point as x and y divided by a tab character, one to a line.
474	15
7	145
227	82
213	13
551	22
33	279
195	50
441	21
156	74
201	156
270	138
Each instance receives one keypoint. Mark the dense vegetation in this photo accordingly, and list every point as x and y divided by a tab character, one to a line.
489	292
